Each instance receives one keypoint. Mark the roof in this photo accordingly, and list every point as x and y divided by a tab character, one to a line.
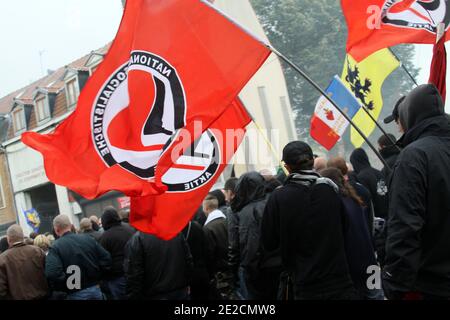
52	83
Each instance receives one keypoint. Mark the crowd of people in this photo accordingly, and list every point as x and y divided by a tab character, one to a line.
321	230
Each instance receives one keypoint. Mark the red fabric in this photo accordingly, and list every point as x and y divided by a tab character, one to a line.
322	133
438	70
212	58
167	214
366	36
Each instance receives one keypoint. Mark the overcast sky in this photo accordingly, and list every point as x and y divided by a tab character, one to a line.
61	31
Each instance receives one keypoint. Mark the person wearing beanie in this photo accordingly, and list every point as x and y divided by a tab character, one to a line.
304	220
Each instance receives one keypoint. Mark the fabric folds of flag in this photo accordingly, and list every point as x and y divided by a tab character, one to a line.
438	69
328	124
172	63
377	24
167	214
365	80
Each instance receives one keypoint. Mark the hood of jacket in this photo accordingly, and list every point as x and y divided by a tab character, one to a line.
436	126
359	160
421	103
250	187
422	114
389	151
110	218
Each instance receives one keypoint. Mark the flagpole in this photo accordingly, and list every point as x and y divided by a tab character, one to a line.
318	88
268	143
379	127
403	67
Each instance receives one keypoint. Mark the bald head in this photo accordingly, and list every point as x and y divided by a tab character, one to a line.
320	163
14	234
62	224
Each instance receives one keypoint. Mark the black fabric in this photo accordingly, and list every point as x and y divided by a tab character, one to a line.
114	240
244	227
394	115
110	218
358	244
390	155
216	233
423	102
94	234
199	216
195	237
250	197
417	255
271	185
76	250
372	179
250	187
3	244
296	152
306	223
365	196
156	267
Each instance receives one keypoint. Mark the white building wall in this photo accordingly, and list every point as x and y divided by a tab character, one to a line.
269	81
27	172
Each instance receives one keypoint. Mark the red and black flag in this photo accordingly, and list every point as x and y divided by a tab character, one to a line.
166	70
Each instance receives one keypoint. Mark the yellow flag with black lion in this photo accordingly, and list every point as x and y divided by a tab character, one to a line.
365	79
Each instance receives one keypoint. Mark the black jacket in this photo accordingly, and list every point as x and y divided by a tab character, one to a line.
76	250
114	240
365	196
358	244
155	267
195	237
216	233
94	234
390	155
306	223
372	179
417	248
249	202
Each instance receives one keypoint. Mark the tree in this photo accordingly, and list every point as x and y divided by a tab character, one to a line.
313	34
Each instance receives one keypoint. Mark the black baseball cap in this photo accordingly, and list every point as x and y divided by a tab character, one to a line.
395	114
296	152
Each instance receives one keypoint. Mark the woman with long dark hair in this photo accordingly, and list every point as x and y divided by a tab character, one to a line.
358	245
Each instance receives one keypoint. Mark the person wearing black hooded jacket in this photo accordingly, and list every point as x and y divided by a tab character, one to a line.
372	179
258	271
114	240
418	229
389	151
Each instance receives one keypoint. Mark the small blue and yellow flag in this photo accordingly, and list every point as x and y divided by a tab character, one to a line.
32	218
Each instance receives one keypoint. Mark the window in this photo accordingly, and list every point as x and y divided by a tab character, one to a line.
72	92
19	120
42	109
94	68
